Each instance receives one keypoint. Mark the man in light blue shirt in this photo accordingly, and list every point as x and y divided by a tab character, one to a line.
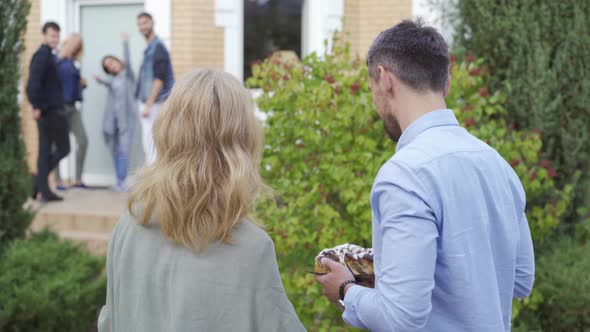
451	242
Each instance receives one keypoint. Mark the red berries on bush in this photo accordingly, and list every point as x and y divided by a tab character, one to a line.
546	164
484	92
475	72
469	122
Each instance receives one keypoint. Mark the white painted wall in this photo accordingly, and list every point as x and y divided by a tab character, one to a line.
55	10
161	12
64	13
229	14
321	18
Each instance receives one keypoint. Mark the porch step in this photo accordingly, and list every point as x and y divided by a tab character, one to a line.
96	243
81	222
85	216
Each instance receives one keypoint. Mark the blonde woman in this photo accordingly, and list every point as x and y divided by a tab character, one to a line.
187	256
72	84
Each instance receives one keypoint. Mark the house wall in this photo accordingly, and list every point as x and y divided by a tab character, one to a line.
32	42
197	42
364	19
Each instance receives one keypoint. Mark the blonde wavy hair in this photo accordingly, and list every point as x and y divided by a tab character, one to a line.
72	47
206	177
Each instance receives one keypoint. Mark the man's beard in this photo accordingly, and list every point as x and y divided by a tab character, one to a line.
392	127
148	33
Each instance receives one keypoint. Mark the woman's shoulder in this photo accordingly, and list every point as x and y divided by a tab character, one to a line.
252	234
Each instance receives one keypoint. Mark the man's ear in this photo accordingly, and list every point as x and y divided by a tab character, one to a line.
386	80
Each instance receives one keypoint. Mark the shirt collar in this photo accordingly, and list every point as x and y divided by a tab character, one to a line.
444	117
152	44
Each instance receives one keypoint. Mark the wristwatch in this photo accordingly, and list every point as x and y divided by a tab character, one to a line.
341	291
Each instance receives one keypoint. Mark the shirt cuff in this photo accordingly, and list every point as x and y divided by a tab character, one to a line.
350	314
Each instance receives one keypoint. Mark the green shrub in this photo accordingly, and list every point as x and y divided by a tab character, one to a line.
49	285
484	115
562	276
539	50
325	143
563	279
14	178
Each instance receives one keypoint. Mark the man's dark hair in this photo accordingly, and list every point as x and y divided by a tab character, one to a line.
145	14
50	25
418	55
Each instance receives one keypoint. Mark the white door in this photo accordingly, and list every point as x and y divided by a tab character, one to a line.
101	26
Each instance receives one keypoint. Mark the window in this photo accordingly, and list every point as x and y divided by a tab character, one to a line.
269	26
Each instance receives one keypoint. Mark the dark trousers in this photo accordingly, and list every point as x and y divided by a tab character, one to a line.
54	145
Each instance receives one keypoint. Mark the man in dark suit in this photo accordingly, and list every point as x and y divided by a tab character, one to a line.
45	94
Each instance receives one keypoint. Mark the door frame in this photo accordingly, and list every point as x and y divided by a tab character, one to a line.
77	5
67	14
320	19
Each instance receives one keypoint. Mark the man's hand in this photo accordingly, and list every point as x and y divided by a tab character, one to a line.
36	114
332	281
83	82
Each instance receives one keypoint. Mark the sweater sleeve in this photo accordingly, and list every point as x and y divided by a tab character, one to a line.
37	70
67	77
127	59
161	63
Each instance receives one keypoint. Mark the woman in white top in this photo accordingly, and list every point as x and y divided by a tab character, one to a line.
188	257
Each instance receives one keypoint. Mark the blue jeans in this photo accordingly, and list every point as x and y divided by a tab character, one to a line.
119	144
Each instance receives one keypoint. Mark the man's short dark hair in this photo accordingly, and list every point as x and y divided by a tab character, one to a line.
417	54
50	25
145	14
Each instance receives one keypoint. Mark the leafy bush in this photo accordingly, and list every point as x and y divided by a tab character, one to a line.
14	179
562	276
49	285
539	50
484	115
563	279
325	143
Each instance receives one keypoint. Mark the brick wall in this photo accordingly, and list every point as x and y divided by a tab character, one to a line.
32	42
364	19
196	41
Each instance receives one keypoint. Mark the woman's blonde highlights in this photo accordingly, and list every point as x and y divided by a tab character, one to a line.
206	177
72	47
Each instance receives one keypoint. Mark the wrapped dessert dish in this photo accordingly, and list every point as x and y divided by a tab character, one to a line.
359	261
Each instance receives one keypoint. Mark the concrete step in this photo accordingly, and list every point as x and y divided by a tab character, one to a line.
83	222
85	216
96	243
